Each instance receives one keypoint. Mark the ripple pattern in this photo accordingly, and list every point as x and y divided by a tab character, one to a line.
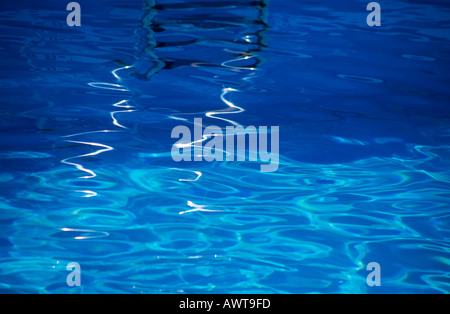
87	176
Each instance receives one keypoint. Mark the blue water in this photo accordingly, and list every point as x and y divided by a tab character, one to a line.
86	174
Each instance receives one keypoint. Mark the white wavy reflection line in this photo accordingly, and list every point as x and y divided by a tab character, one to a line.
225	64
109	86
80	167
114	72
235	109
119	105
198	173
198	208
100	233
88	194
92	132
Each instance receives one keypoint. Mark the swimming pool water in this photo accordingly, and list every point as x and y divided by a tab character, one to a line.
86	173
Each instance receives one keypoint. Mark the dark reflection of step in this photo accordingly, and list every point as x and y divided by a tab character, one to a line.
208	4
201	34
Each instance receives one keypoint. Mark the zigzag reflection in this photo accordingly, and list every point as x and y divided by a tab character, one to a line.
234	108
211	29
119	105
80	167
106	148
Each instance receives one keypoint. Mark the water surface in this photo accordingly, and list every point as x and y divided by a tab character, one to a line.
86	174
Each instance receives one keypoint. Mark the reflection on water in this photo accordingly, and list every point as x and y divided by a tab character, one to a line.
174	29
220	29
87	174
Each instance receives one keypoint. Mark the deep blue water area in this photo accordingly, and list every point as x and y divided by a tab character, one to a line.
86	174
